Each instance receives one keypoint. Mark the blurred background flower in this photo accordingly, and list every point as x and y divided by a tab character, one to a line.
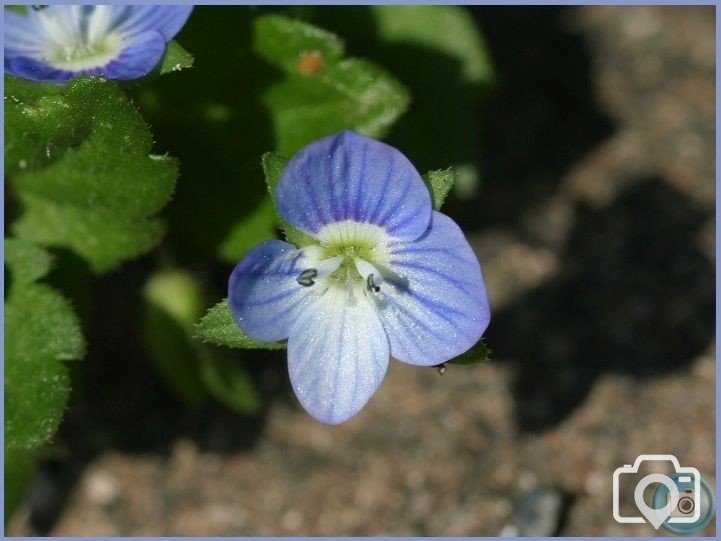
57	43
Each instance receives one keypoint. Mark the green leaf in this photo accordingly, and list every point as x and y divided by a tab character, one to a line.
323	92
173	302
256	226
230	383
445	29
176	58
438	54
273	164
218	327
79	163
281	41
27	263
439	184
478	354
41	331
19	467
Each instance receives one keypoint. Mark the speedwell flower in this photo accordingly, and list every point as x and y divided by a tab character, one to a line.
57	43
384	276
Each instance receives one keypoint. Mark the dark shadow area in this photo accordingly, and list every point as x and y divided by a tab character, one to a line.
634	295
441	126
540	118
119	402
213	120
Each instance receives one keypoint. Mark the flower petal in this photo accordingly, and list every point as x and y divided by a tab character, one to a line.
133	20
36	70
352	177
436	307
264	295
141	54
23	36
337	355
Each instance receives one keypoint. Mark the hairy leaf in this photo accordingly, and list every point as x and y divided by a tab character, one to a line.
439	184
41	331
78	160
176	58
323	92
218	327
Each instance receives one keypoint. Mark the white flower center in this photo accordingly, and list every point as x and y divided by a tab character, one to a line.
81	38
349	255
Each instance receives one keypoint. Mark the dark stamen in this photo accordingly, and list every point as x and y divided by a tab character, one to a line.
441	368
306	277
371	284
39	7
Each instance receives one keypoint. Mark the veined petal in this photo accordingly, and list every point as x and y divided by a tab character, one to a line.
141	54
135	60
23	36
36	70
263	292
337	355
168	20
57	43
352	177
436	307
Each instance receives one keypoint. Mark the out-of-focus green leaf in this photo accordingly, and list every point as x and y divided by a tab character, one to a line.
41	331
213	120
446	29
26	262
176	58
19	467
218	327
273	164
478	354
323	92
282	41
226	377
254	227
437	53
173	302
78	160
439	184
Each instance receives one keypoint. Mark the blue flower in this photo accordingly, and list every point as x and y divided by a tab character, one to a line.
385	275
57	43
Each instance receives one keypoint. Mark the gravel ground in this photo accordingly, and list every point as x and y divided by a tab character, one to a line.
595	227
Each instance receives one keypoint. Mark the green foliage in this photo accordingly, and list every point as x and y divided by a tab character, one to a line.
173	302
323	92
478	354
41	331
437	53
439	184
218	327
176	58
281	41
226	378
19	466
273	164
78	160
